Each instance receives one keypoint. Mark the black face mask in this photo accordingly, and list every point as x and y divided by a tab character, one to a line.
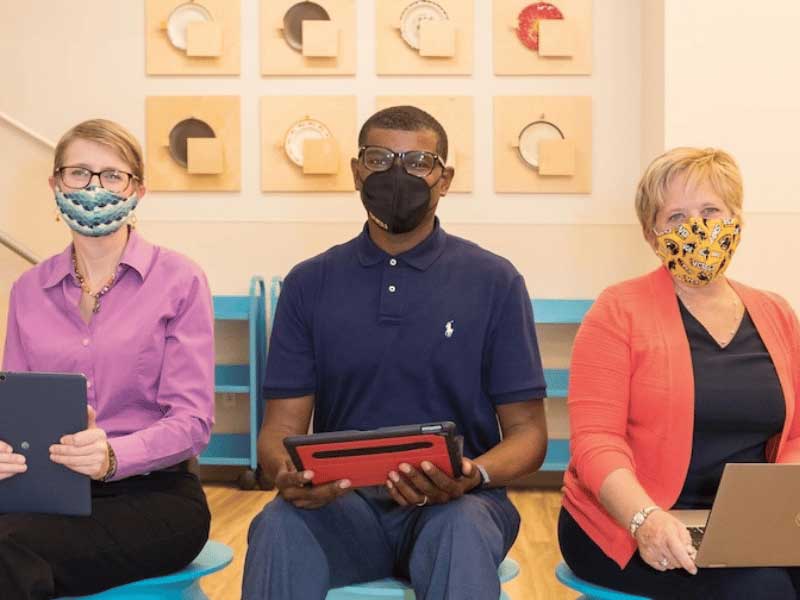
396	201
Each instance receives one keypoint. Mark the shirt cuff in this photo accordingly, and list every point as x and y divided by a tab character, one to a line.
520	396
273	393
131	456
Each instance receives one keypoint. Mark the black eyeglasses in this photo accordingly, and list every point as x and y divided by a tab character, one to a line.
419	163
79	178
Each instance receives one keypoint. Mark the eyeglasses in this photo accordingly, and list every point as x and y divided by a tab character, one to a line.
419	163
79	178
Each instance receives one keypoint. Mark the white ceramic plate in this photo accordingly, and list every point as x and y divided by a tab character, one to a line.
180	18
531	135
414	14
307	129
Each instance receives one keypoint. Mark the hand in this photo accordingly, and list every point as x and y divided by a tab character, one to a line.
432	485
661	537
85	452
10	463
294	487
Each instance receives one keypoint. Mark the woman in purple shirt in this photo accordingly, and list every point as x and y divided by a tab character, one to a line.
136	320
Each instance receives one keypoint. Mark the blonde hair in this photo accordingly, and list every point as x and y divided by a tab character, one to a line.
109	134
697	166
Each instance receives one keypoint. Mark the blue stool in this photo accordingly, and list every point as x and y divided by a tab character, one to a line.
399	590
590	590
183	585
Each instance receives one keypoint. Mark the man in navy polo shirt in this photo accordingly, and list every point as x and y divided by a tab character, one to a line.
404	324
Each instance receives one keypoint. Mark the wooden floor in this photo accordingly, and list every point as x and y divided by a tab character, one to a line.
536	548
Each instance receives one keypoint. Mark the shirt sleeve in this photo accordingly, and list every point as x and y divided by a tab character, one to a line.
513	364
291	369
14	358
185	392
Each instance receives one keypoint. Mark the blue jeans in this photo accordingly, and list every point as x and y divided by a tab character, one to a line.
446	551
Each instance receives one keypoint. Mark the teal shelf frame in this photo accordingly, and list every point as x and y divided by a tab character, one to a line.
240	449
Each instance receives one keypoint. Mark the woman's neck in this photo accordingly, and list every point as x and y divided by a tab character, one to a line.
98	257
716	290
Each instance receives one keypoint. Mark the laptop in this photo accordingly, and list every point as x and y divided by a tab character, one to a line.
36	409
754	521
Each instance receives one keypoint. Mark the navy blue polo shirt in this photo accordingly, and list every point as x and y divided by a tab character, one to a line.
442	332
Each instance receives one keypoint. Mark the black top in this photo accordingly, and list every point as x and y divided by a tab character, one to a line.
739	405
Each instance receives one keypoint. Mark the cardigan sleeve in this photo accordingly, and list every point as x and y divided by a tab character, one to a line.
790	453
599	394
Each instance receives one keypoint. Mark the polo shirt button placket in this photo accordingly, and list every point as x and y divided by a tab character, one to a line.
392	289
392	262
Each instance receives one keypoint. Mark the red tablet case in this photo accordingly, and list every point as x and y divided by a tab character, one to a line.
366	457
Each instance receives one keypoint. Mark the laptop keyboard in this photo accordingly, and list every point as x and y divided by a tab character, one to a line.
697	534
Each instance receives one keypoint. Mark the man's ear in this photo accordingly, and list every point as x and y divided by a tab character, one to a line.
446	179
354	169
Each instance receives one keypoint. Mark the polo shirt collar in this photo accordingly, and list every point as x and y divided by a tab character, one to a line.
138	255
420	257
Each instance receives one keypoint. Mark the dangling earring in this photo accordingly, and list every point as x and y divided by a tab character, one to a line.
132	220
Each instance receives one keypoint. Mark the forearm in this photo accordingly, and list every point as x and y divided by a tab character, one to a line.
272	454
282	418
520	453
623	496
165	443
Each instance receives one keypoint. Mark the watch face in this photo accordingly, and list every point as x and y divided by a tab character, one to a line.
293	21
179	19
528	22
306	129
188	128
414	15
531	135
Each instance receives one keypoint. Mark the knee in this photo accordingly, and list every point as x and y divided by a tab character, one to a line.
277	516
760	582
466	516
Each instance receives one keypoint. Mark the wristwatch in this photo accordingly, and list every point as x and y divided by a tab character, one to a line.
640	517
485	479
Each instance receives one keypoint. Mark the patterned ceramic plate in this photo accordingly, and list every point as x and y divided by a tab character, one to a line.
307	129
293	21
180	18
414	14
529	17
531	135
188	128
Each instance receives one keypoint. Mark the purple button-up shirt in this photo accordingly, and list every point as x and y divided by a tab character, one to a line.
148	355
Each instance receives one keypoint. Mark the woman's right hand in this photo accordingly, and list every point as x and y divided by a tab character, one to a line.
665	543
10	463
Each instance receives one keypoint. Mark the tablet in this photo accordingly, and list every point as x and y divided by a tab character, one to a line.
366	457
36	409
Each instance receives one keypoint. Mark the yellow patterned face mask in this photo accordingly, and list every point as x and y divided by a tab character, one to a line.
699	250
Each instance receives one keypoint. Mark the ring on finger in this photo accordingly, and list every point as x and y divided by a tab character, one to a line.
424	501
664	562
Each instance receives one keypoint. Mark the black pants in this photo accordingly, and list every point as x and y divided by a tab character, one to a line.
140	527
590	563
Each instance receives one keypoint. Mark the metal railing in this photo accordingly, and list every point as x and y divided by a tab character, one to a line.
17	248
5	239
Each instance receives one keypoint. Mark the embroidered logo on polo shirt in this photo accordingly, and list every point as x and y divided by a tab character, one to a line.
449	329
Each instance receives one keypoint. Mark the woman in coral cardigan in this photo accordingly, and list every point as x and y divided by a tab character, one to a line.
674	374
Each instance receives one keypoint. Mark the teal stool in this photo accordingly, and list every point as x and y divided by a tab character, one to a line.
399	590
183	585
590	591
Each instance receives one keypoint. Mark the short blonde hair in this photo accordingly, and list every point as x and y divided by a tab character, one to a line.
108	133
697	166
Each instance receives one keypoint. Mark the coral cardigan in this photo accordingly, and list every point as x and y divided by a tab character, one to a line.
631	397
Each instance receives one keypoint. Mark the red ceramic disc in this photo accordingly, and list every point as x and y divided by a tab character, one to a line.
529	17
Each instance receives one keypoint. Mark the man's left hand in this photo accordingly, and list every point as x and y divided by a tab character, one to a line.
411	487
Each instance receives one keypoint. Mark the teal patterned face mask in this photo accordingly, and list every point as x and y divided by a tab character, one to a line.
94	211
